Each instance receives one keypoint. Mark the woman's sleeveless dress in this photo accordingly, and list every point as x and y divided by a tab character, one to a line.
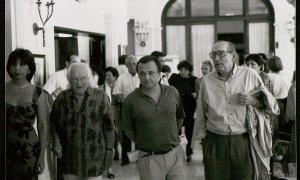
22	143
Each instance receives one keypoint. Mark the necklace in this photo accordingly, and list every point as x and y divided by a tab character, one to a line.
18	87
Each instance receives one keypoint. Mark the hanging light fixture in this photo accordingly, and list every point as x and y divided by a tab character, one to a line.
35	27
141	31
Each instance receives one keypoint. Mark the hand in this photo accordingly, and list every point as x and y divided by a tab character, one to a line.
194	95
108	159
40	165
57	149
246	99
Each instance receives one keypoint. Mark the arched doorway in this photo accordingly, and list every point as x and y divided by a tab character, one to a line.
190	27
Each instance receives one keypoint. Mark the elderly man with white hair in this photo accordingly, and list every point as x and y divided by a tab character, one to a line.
81	127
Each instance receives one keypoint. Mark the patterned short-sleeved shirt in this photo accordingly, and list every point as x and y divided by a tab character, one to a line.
82	131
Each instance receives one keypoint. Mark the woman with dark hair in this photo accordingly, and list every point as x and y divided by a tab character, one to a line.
25	151
184	82
256	62
281	88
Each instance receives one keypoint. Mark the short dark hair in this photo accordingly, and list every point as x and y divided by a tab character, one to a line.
166	68
185	64
122	59
113	70
263	55
147	59
256	58
100	72
25	57
70	53
158	54
275	64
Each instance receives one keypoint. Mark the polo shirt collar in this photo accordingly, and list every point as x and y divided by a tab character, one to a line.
162	88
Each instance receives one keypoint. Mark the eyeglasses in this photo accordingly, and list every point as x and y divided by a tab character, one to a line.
221	54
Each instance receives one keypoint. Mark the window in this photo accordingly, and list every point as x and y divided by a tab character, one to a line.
202	8
190	27
257	7
230	7
177	9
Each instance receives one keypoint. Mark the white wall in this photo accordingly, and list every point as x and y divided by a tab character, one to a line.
150	10
110	18
286	49
89	15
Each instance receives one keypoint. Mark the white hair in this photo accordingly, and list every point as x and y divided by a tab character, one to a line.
131	57
82	66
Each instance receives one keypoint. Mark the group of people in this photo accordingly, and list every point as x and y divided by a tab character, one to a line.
89	110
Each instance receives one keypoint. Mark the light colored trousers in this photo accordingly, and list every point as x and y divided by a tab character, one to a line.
73	177
169	166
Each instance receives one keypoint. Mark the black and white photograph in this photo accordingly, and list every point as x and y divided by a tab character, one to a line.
150	90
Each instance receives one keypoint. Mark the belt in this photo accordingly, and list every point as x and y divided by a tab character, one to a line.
158	152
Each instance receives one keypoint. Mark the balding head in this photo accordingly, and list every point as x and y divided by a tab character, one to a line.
131	62
223	55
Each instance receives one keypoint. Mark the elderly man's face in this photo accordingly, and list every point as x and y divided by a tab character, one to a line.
222	58
131	65
79	80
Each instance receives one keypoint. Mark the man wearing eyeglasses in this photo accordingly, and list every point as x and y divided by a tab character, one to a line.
221	110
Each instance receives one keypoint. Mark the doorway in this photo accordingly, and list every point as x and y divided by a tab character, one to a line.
89	46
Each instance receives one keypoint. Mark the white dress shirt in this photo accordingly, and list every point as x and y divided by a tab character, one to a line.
126	83
280	85
57	83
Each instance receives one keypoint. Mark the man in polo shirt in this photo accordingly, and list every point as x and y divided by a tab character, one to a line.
152	117
221	109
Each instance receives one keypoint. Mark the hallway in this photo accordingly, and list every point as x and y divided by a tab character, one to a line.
194	169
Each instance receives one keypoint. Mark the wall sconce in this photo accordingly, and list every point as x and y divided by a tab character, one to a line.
35	27
141	31
290	26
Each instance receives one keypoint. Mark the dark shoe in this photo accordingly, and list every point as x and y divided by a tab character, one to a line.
116	156
124	163
189	158
111	175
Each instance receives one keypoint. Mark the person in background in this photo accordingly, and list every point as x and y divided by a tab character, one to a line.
124	85
111	76
281	87
24	102
122	66
99	80
58	81
207	67
223	102
266	62
152	117
55	84
81	127
184	82
161	57
256	62
291	116
166	70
